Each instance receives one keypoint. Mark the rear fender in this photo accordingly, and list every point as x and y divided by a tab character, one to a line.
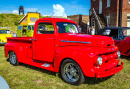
19	49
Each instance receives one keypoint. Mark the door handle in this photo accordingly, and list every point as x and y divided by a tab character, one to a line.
34	39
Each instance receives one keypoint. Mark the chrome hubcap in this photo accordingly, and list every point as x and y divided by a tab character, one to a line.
12	58
71	72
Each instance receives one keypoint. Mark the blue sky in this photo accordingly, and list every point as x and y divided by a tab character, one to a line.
46	7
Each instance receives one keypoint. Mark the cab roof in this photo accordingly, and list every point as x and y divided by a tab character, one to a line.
111	28
56	19
116	28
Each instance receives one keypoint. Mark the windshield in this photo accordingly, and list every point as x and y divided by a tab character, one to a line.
65	27
5	32
19	27
126	32
109	32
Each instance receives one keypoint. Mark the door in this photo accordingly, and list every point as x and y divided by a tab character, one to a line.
30	31
120	45
44	41
100	6
19	31
120	42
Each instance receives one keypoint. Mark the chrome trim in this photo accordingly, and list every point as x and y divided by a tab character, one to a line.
76	42
2	43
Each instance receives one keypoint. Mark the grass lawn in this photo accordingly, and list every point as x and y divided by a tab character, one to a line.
29	77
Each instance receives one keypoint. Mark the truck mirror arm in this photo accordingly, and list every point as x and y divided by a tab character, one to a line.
34	39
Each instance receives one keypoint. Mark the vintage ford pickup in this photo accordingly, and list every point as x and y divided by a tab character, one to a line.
58	46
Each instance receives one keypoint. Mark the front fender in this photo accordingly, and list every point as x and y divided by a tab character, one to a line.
84	56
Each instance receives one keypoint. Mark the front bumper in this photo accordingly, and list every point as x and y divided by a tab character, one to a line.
110	72
3	43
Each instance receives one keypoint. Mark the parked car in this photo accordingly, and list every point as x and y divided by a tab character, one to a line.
4	32
58	46
25	30
121	36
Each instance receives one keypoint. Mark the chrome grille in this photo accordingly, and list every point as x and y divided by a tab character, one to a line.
109	56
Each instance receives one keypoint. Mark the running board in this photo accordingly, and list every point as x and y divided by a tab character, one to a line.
41	64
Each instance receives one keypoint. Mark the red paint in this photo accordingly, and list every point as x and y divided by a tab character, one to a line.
124	46
52	49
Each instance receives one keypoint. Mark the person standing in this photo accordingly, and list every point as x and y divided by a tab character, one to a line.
92	31
89	30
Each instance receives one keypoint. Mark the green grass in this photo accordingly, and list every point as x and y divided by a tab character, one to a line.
29	77
11	20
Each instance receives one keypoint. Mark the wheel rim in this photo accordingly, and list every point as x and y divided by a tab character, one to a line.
71	72
12	57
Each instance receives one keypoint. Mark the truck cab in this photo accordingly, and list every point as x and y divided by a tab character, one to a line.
57	45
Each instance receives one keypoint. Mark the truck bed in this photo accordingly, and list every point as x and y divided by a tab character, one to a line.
19	39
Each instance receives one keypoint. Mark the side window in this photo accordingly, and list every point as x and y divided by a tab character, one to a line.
107	32
45	28
29	28
19	27
108	3
32	27
120	36
24	29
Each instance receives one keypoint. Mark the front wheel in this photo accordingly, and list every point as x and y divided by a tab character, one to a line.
72	73
13	58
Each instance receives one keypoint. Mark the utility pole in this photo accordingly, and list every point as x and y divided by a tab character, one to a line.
120	14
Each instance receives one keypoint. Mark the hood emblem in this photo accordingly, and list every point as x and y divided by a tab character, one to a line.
76	42
108	49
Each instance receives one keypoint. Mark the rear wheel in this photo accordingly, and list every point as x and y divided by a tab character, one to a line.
13	58
72	73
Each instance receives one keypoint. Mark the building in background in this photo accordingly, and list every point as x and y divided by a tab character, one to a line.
81	20
109	13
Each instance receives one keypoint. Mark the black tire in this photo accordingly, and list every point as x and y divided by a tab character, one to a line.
13	58
71	72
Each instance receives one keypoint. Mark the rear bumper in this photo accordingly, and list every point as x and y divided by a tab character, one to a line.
110	72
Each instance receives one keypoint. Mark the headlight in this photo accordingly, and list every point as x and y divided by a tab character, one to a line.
118	54
99	60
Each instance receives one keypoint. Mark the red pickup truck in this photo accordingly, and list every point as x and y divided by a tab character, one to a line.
58	46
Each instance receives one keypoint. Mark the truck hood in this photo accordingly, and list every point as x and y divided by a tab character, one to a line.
86	40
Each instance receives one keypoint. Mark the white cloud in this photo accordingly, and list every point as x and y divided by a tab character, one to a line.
15	11
59	10
45	15
0	12
31	9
